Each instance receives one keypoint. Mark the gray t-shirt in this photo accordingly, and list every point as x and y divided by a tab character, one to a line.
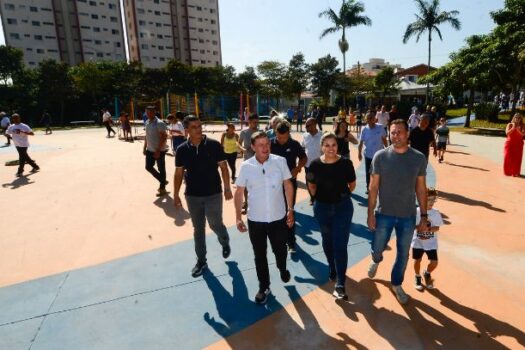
245	139
397	184
153	130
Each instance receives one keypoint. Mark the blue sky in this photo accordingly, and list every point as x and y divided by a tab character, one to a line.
256	30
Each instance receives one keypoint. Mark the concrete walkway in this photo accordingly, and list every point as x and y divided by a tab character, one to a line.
93	260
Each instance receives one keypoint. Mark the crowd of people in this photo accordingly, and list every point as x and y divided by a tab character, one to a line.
395	153
266	188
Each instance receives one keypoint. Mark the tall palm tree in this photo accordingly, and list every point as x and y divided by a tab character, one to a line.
350	15
428	19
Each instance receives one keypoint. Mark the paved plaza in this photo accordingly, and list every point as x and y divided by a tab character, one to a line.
92	259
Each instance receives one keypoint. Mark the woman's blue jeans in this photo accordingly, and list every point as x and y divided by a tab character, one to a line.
334	221
404	227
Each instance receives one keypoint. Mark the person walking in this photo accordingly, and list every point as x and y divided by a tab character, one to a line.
4	124
312	146
422	137
343	138
300	116
155	149
397	178
513	151
442	138
46	121
230	143
198	160
264	175
373	137
283	145
19	132
318	115
331	180
245	139
107	121
383	118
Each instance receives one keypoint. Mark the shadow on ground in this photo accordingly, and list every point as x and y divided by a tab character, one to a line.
454	197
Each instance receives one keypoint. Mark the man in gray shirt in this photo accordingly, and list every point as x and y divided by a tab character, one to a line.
398	176
155	149
245	141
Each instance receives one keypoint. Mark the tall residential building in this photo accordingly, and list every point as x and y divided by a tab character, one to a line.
73	31
160	30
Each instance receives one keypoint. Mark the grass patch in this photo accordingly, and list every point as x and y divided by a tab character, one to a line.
458	112
500	124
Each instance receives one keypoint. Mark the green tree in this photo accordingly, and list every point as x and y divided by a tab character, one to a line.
429	19
350	15
55	87
11	63
248	80
273	78
386	82
324	74
180	77
297	76
509	44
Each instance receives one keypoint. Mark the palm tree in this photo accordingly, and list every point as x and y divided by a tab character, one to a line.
428	19
350	15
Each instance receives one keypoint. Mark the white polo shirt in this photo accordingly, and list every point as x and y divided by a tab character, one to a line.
312	146
265	187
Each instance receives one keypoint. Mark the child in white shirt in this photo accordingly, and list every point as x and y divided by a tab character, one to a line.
426	242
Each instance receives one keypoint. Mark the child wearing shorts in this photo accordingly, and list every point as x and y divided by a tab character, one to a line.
442	138
426	243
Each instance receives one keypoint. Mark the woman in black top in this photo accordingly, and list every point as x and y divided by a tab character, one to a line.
331	180
343	137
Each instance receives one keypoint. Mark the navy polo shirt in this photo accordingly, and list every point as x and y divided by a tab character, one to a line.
291	150
201	165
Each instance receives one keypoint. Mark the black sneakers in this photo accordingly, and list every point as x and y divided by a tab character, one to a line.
262	296
429	282
198	269
285	276
340	294
35	169
226	250
417	283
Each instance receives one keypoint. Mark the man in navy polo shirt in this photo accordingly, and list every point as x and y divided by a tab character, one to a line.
283	145
201	157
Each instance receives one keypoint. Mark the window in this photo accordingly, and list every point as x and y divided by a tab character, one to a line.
212	11
11	21
141	11
96	29
98	42
100	54
214	42
94	16
117	44
38	37
199	8
142	22
113	19
213	21
14	36
39	50
112	6
33	9
144	46
92	3
9	6
29	49
114	31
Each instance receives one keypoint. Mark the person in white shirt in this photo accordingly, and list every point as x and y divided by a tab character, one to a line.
4	124
264	176
19	132
373	137
107	121
312	145
383	118
425	242
414	119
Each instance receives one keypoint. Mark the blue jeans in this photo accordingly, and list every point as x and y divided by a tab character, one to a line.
334	221
404	231
160	175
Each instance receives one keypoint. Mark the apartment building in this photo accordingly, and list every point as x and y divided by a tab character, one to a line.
71	31
160	30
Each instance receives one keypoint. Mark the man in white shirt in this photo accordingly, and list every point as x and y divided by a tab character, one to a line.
4	124
383	118
264	176
312	146
373	137
19	132
107	121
